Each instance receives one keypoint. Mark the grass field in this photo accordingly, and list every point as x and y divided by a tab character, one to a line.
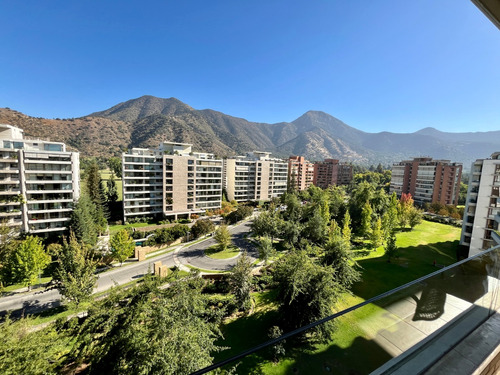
215	253
419	248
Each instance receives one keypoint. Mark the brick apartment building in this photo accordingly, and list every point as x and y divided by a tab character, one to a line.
427	180
300	172
331	172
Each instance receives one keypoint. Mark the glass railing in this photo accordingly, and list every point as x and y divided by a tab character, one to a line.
408	328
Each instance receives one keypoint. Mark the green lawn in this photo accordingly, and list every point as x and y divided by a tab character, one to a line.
418	250
11	288
215	253
113	229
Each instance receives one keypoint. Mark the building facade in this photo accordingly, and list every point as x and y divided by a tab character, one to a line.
331	172
255	177
170	181
300	172
427	180
39	183
482	206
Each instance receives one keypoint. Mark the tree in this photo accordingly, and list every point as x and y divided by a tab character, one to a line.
111	190
404	209
148	330
266	250
25	350
241	213
391	248
83	221
339	258
376	236
75	272
96	194
346	228
277	350
240	281
316	227
414	217
122	246
306	292
366	219
202	227
29	259
390	219
115	164
8	243
222	237
268	223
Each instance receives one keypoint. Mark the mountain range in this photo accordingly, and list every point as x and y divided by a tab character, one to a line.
148	120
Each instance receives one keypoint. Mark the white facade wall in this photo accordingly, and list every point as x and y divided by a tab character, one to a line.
482	207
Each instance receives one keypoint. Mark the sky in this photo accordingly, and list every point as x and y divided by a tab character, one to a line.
385	65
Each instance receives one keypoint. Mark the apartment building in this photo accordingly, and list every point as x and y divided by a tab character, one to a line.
427	180
170	181
255	177
300	172
482	207
331	172
39	183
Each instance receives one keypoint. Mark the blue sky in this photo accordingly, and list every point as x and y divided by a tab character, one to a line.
377	65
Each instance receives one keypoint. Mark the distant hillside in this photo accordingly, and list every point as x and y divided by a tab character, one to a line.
146	121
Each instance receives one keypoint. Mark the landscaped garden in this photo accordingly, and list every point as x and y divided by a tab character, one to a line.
420	252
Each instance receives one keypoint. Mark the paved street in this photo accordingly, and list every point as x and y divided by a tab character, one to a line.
195	256
30	303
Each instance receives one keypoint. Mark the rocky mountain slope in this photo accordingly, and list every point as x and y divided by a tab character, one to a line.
146	121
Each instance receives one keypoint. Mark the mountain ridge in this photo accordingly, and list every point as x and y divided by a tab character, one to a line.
148	120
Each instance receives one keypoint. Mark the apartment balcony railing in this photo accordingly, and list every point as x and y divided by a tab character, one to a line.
405	330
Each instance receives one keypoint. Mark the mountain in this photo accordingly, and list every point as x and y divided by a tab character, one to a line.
148	120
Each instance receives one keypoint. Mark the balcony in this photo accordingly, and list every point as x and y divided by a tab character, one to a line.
416	328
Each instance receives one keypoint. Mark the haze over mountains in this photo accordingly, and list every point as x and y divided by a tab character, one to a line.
148	120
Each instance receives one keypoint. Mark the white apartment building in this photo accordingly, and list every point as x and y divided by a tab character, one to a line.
482	207
170	181
255	177
39	183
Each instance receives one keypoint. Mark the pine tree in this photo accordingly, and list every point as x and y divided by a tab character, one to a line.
240	281
346	228
376	235
366	219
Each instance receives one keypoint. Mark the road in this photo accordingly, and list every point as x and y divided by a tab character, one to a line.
34	302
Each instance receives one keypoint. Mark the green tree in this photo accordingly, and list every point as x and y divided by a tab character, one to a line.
222	237
316	228
306	292
8	243
111	190
115	164
83	221
346	228
414	217
148	330
404	209
202	227
338	256
95	191
366	219
240	281
266	250
29	259
122	246
390	219
277	350
268	223
24	350
391	248
75	272
376	235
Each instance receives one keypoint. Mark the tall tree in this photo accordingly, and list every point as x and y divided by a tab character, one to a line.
122	246
366	219
29	259
95	191
75	272
240	281
391	248
338	256
346	228
83	221
266	250
376	235
115	164
148	330
222	237
404	209
390	219
306	292
8	243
